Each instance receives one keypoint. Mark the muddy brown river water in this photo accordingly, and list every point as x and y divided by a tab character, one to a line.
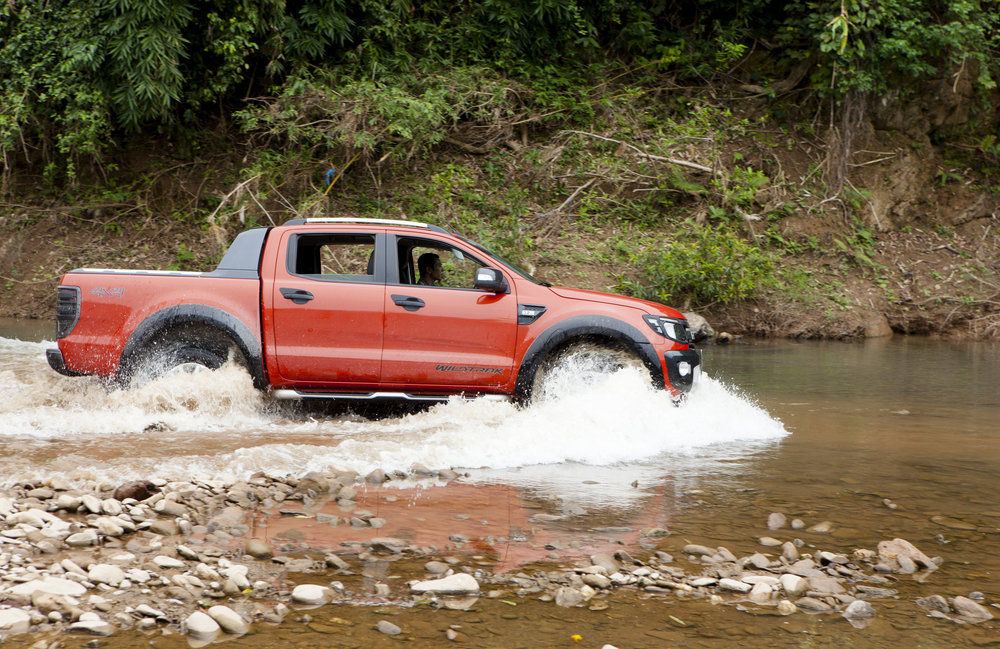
818	431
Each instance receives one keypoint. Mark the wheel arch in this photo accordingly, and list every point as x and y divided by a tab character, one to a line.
174	320
585	328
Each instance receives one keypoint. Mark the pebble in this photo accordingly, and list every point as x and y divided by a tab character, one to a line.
229	620
776	521
201	626
311	594
388	628
859	614
457	584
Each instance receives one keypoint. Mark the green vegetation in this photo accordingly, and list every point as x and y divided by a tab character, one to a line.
633	102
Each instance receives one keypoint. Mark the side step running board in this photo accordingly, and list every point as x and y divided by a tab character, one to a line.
371	396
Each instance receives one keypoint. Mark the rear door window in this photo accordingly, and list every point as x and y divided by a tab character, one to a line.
335	258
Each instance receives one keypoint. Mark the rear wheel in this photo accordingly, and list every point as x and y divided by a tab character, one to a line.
180	352
582	363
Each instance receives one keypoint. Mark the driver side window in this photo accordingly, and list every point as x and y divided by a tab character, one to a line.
433	263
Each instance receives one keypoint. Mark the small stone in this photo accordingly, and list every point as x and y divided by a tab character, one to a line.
760	593
457	584
606	561
568	597
230	621
812	604
794	585
785	607
14	621
969	609
106	574
334	561
436	567
311	594
776	521
698	550
789	551
259	549
169	562
92	627
769	542
202	626
734	585
387	628
859	613
821	528
376	477
798	524
138	489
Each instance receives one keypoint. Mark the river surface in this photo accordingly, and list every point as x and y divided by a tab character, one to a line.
820	431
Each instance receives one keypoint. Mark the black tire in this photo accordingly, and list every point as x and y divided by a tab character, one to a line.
588	360
173	355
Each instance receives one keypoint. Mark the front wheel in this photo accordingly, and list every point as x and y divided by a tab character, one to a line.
582	363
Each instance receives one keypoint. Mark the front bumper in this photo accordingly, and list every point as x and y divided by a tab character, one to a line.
682	369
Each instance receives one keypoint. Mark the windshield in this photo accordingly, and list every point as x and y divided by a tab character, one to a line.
511	267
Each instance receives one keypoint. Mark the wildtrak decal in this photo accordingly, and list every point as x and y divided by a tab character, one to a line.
469	368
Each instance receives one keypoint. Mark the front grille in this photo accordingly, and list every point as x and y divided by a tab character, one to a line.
67	310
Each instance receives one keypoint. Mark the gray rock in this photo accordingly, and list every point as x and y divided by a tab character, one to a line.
311	594
871	592
14	621
388	544
104	573
735	585
229	620
597	581
907	565
798	524
201	626
82	539
259	549
759	561
336	562
170	508
606	561
164	527
760	593
969	609
933	603
92	627
698	550
794	585
859	614
829	585
376	477
812	604
698	326
53	585
388	628
776	521
769	542
789	551
457	584
92	503
724	555
436	567
169	562
568	597
889	552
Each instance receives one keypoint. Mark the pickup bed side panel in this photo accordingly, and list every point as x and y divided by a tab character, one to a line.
115	304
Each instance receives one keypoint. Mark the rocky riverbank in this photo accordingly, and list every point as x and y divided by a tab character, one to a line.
185	556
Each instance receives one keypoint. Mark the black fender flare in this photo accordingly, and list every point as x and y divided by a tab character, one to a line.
585	327
184	314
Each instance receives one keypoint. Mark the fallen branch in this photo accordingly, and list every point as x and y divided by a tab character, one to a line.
682	163
555	223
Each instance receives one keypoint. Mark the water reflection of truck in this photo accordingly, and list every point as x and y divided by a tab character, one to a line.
506	527
334	308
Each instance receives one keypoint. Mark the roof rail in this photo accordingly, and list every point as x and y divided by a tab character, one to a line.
412	224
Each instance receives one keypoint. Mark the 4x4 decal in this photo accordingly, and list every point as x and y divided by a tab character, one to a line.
468	368
100	291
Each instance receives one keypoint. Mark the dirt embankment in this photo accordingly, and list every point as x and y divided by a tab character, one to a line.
911	245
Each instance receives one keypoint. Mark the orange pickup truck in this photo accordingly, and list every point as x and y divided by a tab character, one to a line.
359	309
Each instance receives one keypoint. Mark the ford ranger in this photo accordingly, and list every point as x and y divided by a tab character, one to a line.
338	308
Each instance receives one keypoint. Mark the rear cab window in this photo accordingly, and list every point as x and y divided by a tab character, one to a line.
335	257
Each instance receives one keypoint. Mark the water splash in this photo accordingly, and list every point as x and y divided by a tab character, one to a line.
217	423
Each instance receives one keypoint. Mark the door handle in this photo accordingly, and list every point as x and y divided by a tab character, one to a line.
408	302
296	295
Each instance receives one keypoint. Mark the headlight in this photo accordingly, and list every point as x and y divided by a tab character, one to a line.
672	328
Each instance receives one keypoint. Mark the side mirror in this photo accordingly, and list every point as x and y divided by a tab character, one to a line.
492	280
